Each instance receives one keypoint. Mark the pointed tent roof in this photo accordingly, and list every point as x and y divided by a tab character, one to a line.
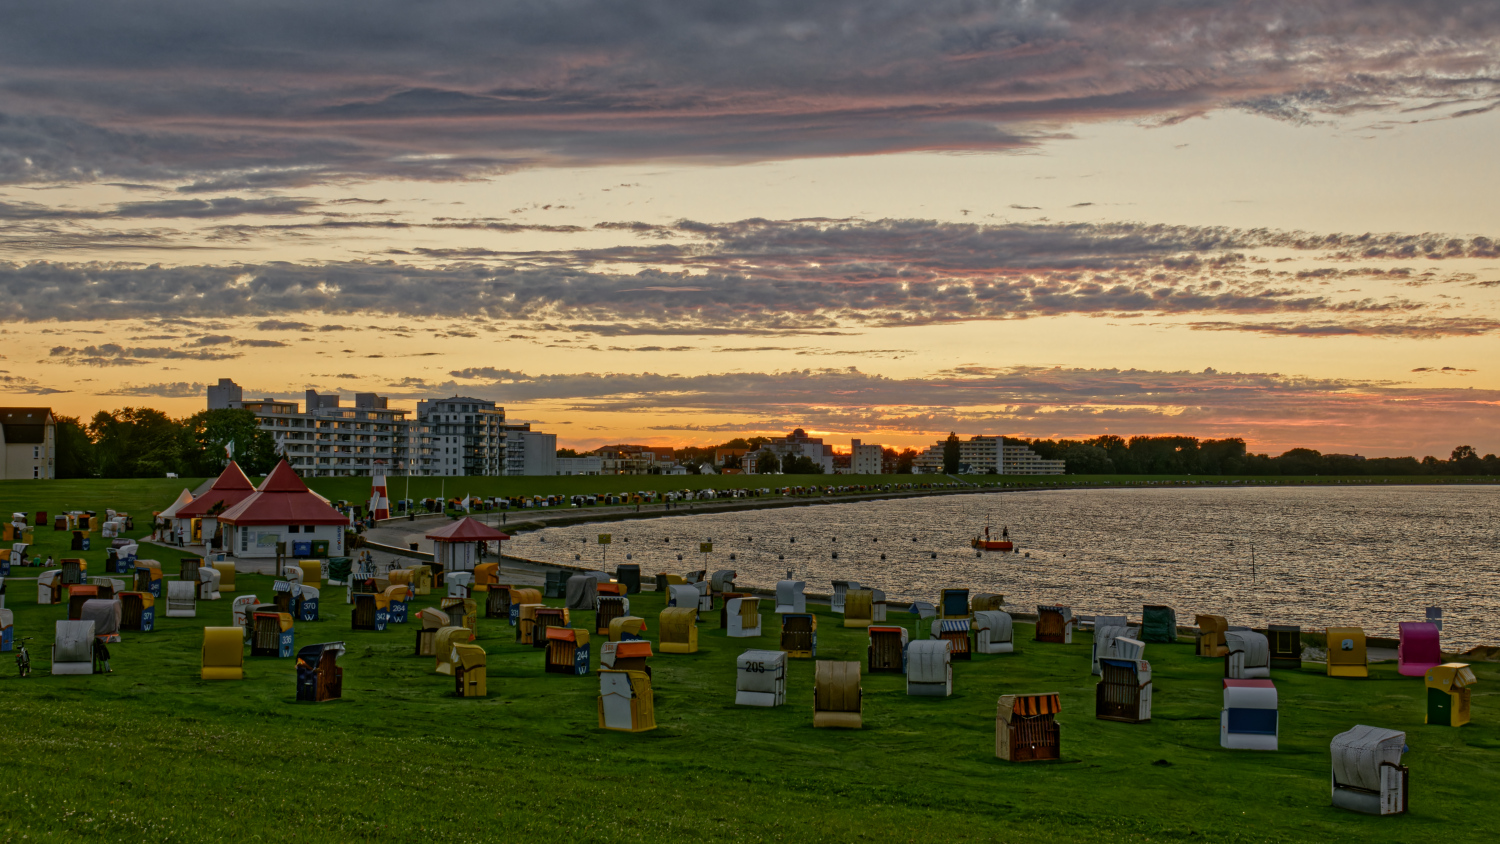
283	499
466	530
182	501
231	487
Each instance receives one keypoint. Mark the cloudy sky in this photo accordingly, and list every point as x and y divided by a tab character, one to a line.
673	222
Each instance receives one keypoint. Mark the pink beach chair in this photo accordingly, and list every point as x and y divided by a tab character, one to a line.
1419	649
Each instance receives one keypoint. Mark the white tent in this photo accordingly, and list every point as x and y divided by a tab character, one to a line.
182	501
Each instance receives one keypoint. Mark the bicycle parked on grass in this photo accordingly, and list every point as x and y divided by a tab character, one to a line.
23	657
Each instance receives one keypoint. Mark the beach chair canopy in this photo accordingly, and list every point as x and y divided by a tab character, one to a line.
582	591
104	613
723	580
997	623
929	661
434	619
685	595
789	597
1255	646
312	654
1420	648
1359	753
73	642
223	653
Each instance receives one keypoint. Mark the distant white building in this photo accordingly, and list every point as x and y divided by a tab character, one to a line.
591	465
463	436
865	459
325	439
537	452
984	455
795	444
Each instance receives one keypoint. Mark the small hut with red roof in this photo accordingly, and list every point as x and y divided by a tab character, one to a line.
231	488
283	509
455	546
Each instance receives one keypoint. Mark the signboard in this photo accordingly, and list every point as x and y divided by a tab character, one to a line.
604	538
705	547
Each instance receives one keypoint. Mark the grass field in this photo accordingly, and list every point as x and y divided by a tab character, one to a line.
150	752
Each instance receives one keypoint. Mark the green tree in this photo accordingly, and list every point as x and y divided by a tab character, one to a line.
566	452
75	451
1082	459
1466	461
905	461
801	465
136	442
951	454
766	463
207	433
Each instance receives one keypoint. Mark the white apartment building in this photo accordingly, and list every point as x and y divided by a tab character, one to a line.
325	439
464	436
983	455
865	459
590	465
795	444
529	452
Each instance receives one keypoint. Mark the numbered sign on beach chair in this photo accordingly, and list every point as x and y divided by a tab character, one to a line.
274	634
1026	728
789	597
105	613
1347	656
993	632
319	678
887	650
182	599
1249	656
1124	690
760	678
471	672
799	635
137	611
520	597
307	604
371	611
1054	624
678	627
625	701
1368	775
567	651
223	653
929	668
954	631
611	607
859	607
1286	646
1250	719
397	603
838	699
148	577
1211	630
1448	694
73	648
1419	648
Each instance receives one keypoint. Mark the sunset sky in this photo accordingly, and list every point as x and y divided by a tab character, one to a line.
677	222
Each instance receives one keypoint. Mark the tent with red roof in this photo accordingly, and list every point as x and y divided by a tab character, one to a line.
283	509
231	487
455	545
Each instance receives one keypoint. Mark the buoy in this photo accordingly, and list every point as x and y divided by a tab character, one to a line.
794	539
679	556
544	539
577	556
1028	555
976	553
627	556
882	556
781	556
934	556
731	556
835	555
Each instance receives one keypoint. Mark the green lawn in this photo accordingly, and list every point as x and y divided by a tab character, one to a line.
150	752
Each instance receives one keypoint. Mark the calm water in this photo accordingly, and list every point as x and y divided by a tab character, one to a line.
1367	556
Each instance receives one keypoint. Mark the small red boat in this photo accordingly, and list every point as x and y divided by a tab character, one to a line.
986	544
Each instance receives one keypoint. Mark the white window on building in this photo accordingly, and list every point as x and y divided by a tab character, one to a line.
36	472
36	452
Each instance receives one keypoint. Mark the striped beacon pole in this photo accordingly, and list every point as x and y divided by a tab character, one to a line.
380	504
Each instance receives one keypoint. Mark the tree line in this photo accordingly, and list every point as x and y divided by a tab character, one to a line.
1177	455
141	442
